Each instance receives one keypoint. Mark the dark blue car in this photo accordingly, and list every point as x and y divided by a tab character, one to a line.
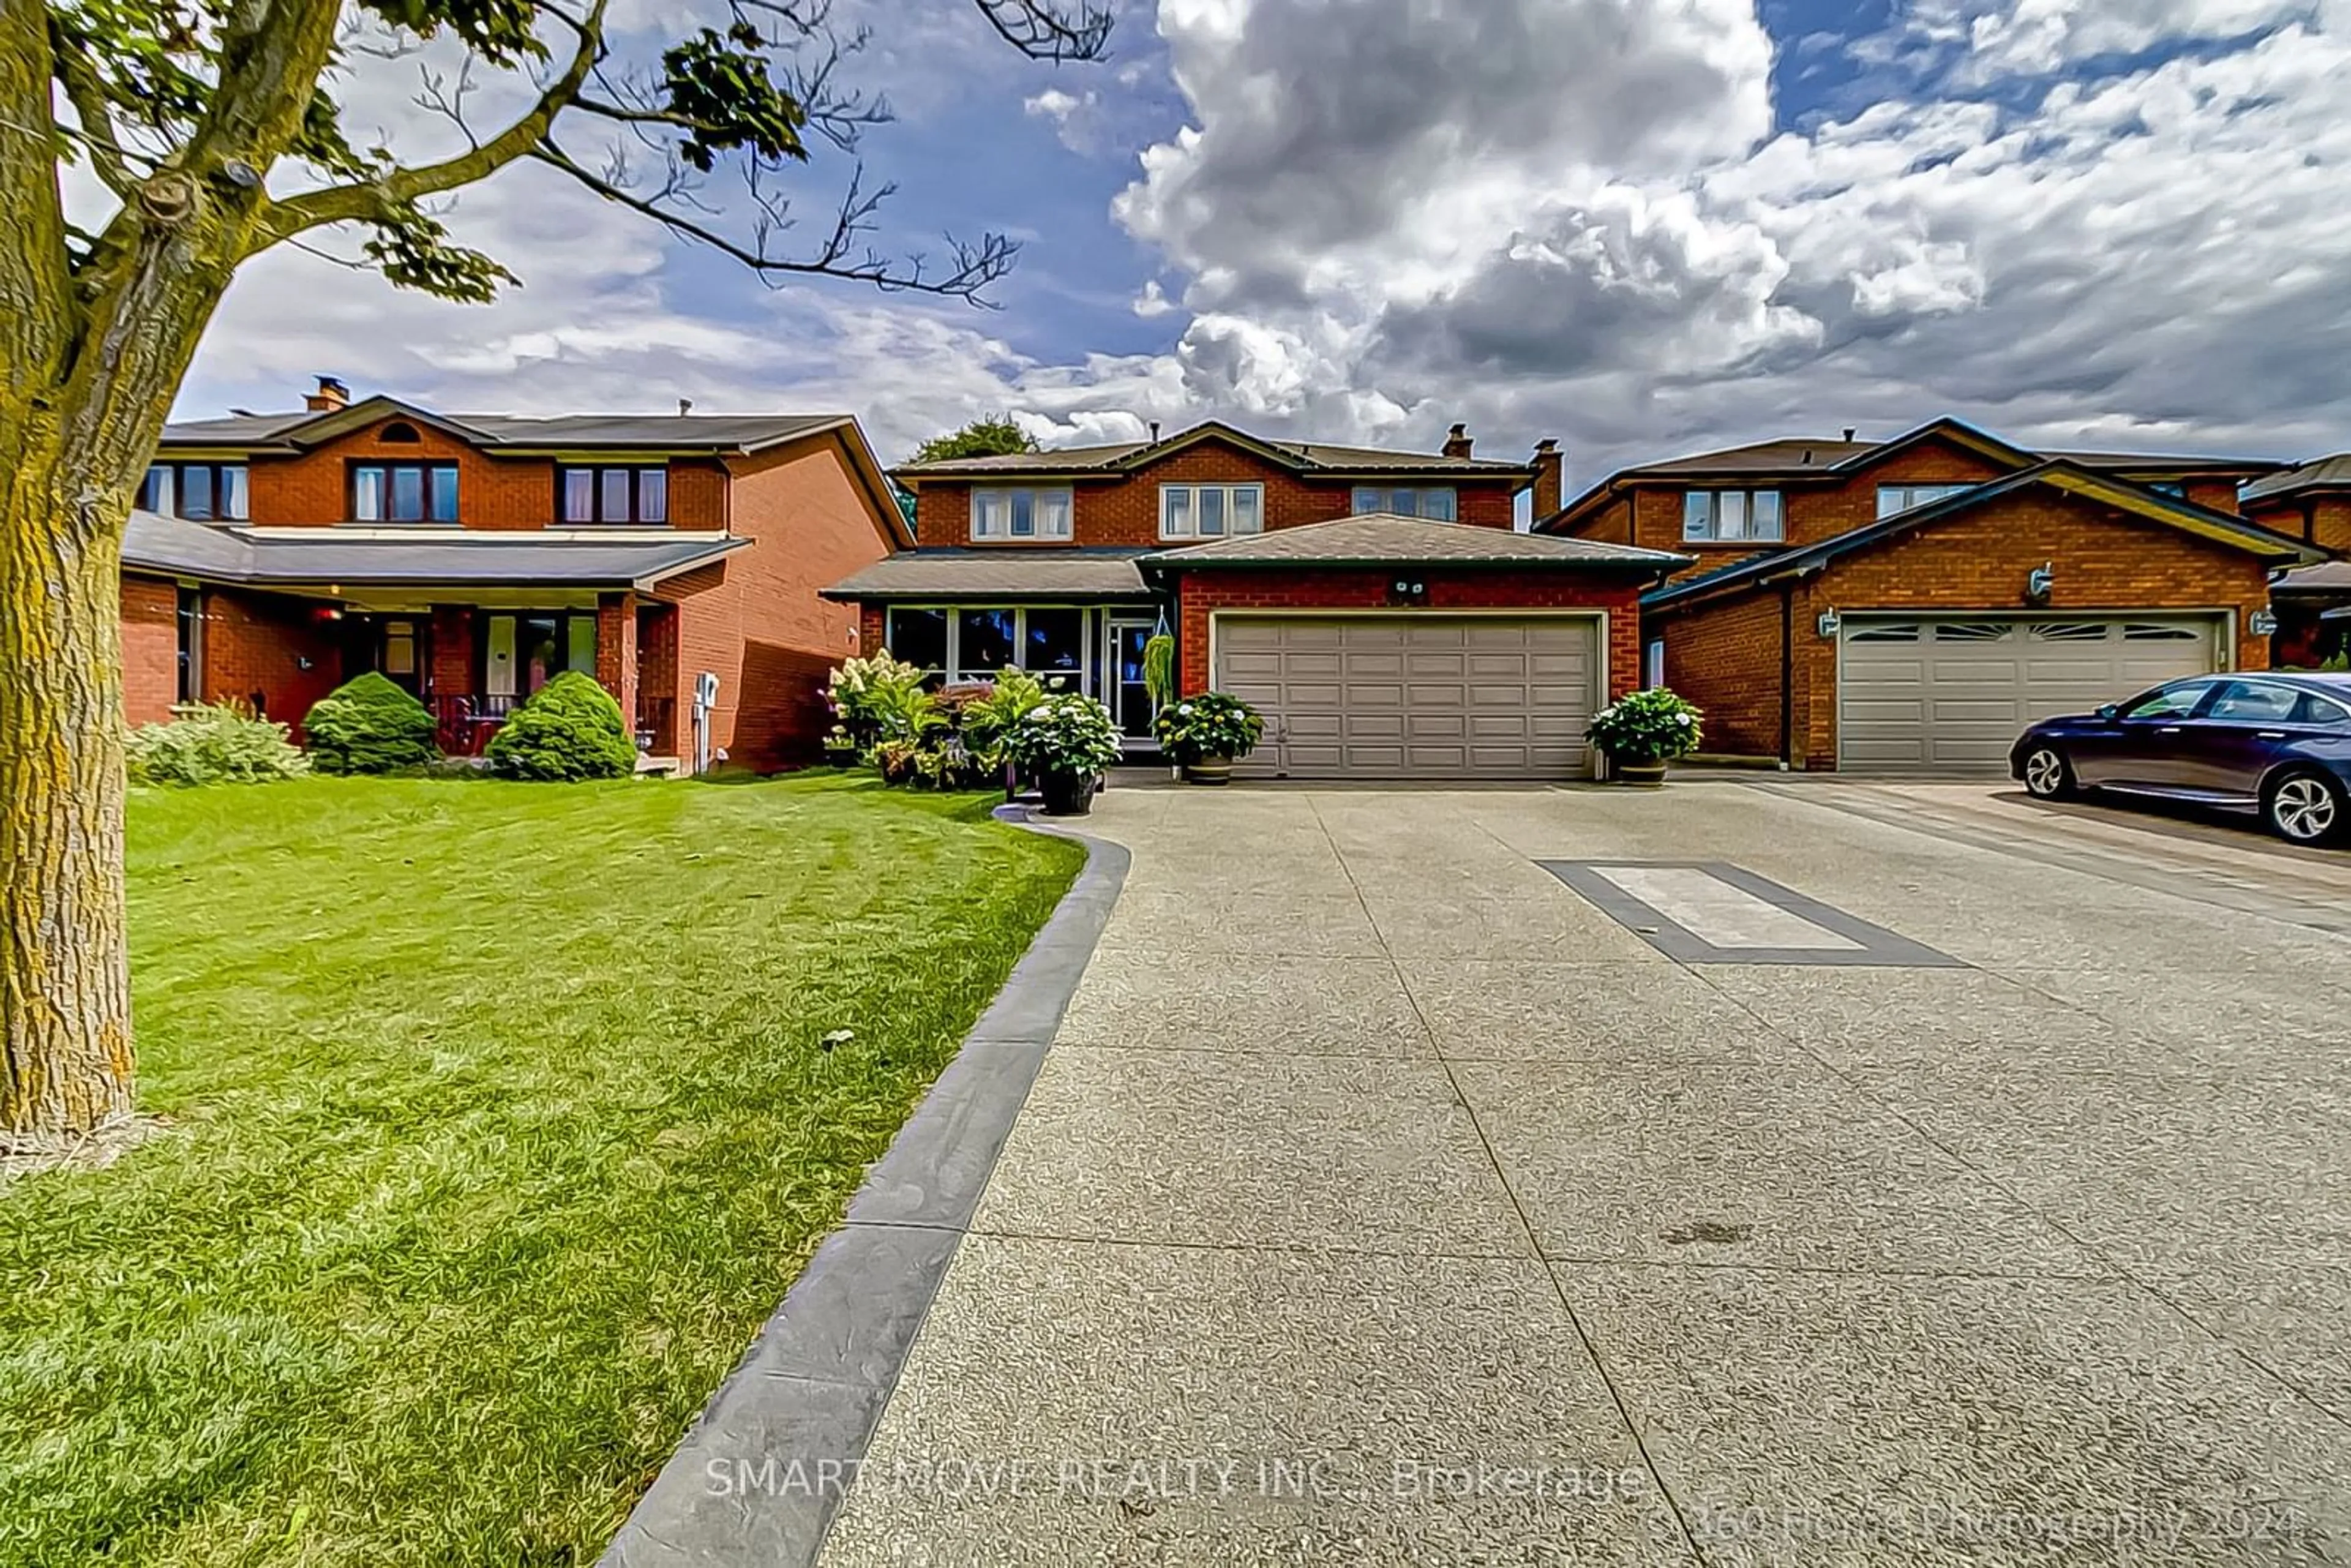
2278	744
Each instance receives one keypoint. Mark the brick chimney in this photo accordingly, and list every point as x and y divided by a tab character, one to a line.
1550	478
1457	442
331	395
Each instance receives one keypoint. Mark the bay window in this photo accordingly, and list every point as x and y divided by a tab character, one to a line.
1210	511
1422	501
619	494
1006	512
1732	517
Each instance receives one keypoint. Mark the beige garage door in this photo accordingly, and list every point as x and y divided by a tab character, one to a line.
1414	696
1955	694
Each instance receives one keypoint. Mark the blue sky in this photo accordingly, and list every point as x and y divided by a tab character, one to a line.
1639	226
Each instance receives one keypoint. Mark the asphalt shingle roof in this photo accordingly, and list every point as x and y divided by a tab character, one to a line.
1379	538
2327	578
664	431
175	546
1305	454
1013	572
2322	474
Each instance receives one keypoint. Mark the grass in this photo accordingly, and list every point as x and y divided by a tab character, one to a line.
502	1119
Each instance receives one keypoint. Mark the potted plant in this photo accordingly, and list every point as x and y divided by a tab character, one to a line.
1203	735
1064	743
1643	732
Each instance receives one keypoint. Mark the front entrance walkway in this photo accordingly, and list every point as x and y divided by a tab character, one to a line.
1384	1198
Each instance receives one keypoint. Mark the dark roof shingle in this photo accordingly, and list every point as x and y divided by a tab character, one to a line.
173	545
1023	573
1380	538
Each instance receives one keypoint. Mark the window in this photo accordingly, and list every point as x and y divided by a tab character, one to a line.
614	494
1431	501
2177	700
1020	514
1972	631
2168	488
2254	702
1901	632
1732	515
2317	709
1210	511
1653	665
404	492
1893	498
201	492
2070	630
525	652
976	643
191	644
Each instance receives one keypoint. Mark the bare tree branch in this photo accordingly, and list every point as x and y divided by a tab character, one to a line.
1045	30
96	132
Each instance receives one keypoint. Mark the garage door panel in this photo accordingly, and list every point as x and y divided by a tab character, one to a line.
1415	695
1955	695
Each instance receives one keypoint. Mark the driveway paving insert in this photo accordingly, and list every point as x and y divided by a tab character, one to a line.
1708	912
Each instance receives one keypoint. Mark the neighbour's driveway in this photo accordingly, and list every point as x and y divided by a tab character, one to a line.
1386	1199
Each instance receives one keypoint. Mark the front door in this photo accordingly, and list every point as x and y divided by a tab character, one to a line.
1128	694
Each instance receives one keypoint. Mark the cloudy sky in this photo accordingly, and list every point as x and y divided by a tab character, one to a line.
1639	226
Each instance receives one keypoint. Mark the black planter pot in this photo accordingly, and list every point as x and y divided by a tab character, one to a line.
1641	775
1068	795
1209	771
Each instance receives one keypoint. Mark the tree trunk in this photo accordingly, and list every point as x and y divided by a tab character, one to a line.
65	998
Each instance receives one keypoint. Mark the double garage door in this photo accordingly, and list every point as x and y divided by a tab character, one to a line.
1955	694
1415	696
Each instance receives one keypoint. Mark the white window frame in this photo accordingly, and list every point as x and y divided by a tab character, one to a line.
953	674
1893	500
1191	493
982	495
1711	533
1419	494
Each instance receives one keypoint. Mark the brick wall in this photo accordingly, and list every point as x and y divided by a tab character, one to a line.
256	644
493	493
1125	511
151	649
754	619
1203	593
2107	561
2321	520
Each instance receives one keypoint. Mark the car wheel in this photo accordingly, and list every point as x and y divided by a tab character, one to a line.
2307	808
2047	775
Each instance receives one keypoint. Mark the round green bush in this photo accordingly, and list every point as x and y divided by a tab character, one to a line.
572	729
368	726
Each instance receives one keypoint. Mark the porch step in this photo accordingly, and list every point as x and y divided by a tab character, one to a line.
660	767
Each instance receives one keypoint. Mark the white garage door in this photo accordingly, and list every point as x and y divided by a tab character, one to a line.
1956	694
1415	696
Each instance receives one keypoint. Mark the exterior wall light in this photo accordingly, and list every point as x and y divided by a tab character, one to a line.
2040	582
2263	622
1830	624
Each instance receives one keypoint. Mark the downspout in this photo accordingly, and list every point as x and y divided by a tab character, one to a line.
1787	676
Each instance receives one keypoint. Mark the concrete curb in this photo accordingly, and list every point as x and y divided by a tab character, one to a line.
757	1479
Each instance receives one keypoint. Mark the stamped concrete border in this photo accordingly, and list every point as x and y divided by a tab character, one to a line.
758	1478
1877	947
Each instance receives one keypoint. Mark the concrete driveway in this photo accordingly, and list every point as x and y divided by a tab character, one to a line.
1386	1198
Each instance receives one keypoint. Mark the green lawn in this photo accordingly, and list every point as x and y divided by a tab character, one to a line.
502	1119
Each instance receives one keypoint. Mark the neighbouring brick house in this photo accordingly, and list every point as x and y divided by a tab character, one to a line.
2312	502
1377	606
471	558
1913	603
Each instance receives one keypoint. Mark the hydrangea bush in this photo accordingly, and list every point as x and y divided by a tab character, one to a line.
1065	736
1210	725
1646	727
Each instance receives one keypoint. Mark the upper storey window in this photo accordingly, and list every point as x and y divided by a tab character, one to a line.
1425	501
615	495
404	492
1019	512
201	492
1210	511
1893	498
1735	515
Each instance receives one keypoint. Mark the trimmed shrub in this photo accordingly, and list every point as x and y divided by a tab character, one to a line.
368	726
572	729
215	743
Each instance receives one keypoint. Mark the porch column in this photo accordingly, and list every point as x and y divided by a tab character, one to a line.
616	652
451	672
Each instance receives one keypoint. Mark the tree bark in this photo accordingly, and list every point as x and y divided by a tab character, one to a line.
64	998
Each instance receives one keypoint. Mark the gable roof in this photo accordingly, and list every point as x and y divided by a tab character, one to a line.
176	548
710	432
995	575
2222	528
1387	539
1295	456
2321	473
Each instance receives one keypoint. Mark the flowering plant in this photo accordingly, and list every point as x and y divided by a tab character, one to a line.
1210	725
1066	736
878	698
1645	729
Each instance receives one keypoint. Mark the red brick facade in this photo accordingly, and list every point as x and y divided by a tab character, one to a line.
151	649
2323	519
1203	594
1727	653
1123	509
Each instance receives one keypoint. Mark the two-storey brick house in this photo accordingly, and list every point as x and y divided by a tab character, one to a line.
471	558
1379	607
1915	602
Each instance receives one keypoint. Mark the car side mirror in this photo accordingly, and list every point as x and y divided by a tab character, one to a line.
2109	711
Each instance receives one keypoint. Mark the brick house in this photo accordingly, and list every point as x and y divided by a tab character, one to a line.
1377	606
1913	603
471	558
2312	502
